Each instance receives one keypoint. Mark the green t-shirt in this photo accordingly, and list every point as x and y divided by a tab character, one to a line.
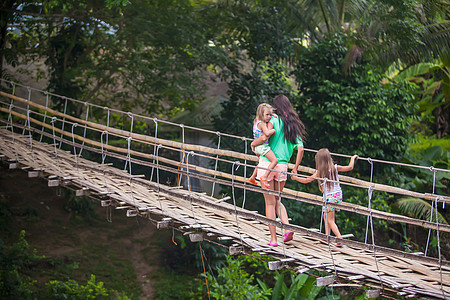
282	148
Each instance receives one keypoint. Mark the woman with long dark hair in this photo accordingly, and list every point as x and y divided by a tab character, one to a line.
289	135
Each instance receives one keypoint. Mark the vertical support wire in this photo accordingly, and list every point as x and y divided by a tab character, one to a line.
371	178
245	172
370	192
183	153
28	108
131	131
432	169
11	106
155	120
236	165
215	165
324	183
45	116
131	174
108	209
439	245
192	153
63	122
85	128
54	144
157	176
75	149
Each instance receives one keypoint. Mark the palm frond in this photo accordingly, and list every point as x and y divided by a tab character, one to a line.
418	208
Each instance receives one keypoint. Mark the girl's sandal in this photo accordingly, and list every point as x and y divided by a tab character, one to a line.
252	181
264	183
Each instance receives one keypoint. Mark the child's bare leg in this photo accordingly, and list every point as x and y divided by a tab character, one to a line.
326	221
255	171
332	224
273	162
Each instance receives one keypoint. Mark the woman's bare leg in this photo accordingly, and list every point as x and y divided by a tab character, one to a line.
270	213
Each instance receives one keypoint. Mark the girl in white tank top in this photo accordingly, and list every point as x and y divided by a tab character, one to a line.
332	193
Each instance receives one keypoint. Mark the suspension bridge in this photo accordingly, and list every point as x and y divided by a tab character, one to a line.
85	154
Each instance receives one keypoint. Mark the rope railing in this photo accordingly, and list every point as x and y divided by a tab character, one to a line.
14	84
228	153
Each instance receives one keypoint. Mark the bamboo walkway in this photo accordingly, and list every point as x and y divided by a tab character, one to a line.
382	271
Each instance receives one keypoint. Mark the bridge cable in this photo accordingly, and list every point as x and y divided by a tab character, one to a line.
215	165
432	169
85	127
64	119
371	181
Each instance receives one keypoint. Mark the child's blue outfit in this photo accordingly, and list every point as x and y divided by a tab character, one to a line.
333	195
263	148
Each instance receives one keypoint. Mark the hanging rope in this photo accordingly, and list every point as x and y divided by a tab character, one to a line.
371	180
204	270
103	154
215	165
131	130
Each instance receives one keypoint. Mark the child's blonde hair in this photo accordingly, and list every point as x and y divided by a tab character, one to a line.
325	168
260	111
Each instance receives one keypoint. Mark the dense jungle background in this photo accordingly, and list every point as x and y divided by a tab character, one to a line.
366	77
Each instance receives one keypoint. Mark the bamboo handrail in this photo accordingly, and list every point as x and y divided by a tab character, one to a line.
308	198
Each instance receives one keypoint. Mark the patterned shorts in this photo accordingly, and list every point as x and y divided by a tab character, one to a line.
333	197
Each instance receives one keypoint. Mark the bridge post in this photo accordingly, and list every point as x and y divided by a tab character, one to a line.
235	250
164	223
372	293
196	237
83	192
324	281
36	173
